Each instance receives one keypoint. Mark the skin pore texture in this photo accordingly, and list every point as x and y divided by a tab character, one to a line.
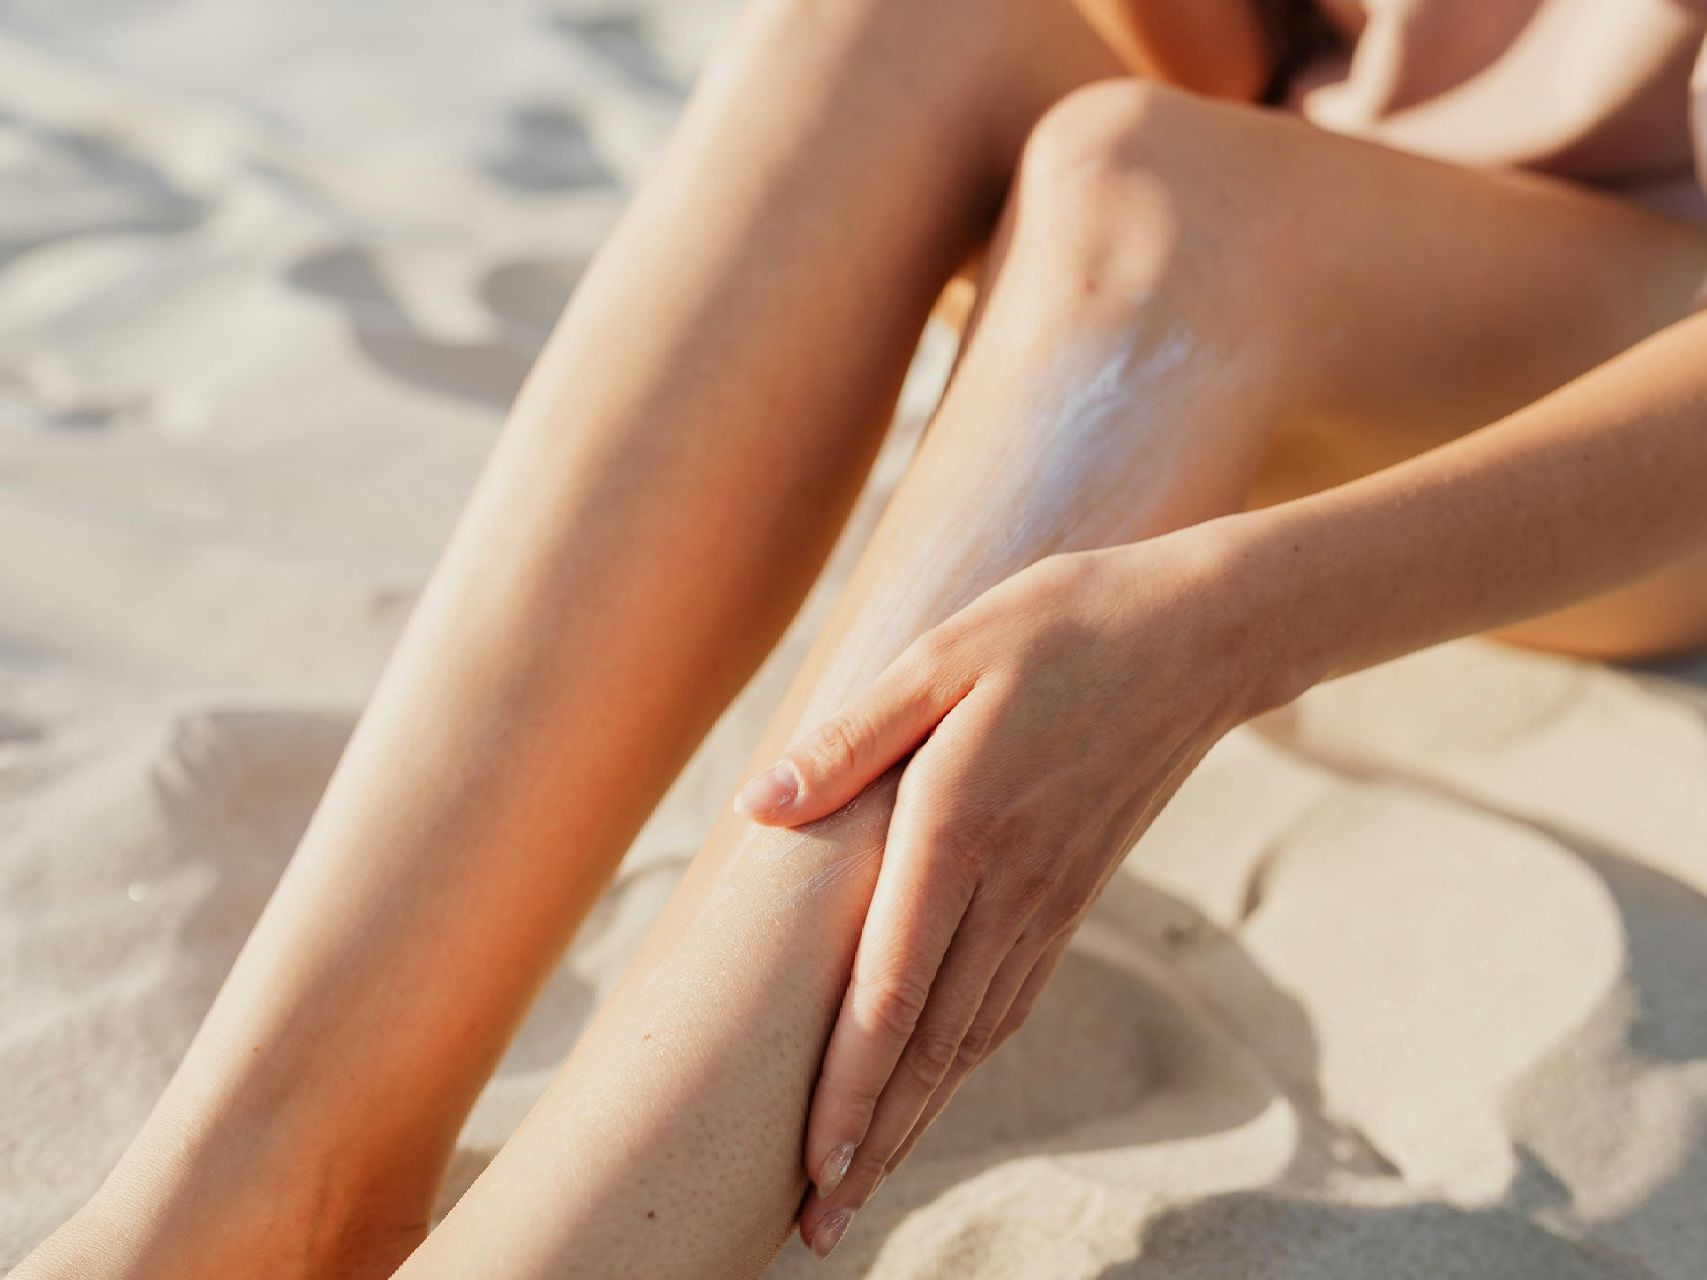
1147	356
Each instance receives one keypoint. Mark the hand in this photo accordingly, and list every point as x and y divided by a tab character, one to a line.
1050	720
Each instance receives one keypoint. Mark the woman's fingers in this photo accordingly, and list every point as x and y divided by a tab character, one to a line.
915	911
980	1037
1029	990
929	1056
910	1102
837	759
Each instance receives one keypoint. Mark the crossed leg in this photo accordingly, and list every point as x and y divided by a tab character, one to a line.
1185	303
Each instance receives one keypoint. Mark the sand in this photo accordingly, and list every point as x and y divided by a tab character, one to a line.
1406	983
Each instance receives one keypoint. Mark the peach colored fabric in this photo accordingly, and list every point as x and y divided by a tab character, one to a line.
1594	91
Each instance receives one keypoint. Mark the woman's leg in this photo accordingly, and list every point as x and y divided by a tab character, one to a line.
1173	282
669	482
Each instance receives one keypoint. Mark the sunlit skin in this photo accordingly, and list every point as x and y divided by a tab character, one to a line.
1140	516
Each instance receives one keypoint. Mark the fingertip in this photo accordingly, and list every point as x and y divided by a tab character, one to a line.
812	1210
830	1231
833	1168
771	794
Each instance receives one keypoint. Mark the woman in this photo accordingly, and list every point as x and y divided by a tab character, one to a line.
1244	403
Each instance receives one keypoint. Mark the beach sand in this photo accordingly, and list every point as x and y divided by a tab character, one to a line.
1408	982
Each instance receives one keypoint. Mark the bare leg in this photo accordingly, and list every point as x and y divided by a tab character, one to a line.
670	480
670	1144
1140	346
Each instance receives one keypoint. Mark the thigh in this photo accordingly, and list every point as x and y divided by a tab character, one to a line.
1418	301
1388	302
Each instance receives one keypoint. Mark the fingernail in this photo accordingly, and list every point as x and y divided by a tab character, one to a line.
830	1231
834	1168
774	789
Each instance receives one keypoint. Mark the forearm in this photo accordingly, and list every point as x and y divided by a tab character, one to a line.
1600	483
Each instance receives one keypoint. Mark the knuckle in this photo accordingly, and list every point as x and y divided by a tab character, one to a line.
895	1007
930	650
931	1056
975	1046
856	1110
866	1171
836	745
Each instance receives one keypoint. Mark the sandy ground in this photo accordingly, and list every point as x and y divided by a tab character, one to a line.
1407	983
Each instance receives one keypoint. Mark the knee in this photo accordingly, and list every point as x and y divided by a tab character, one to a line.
1101	133
1128	187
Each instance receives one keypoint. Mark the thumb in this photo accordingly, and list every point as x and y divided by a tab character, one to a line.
838	759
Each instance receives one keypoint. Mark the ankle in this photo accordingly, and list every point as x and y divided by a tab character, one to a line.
187	1209
186	1230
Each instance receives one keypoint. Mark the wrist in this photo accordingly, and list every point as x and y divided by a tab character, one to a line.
1261	579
